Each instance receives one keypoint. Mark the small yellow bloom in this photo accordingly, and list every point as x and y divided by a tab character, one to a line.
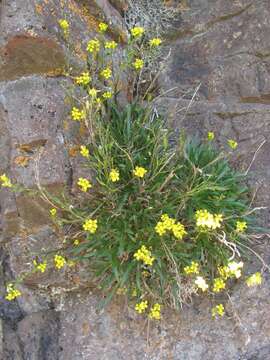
114	175
141	307
90	225
42	266
53	212
241	226
168	222
59	261
12	292
5	181
193	268
210	135
84	151
107	95
218	310
155	42
155	312
76	242
77	114
110	45
139	171
179	231
93	46
205	219
138	64
102	27
144	255
161	228
218	285
92	92
137	31
106	73
232	144
84	184
201	283
134	292
255	279
64	25
83	79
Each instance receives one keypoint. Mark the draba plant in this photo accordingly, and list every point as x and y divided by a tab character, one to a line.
156	218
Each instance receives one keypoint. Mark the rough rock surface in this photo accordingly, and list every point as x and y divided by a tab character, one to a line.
220	67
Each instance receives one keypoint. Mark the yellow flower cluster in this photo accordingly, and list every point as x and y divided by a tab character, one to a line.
102	27
218	285
84	151
107	95
90	225
141	307
92	92
255	279
12	292
110	45
169	224
106	73
137	31
210	136
114	175
42	266
77	114
59	261
205	219
76	242
93	46
144	255
155	42
5	181
84	184
233	269
138	64
83	79
64	25
201	283
218	310
193	268
155	312
139	171
232	144
241	226
53	212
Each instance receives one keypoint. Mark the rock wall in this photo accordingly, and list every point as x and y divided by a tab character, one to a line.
220	67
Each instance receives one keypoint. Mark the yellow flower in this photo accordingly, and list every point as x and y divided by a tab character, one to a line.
201	283
114	175
255	279
241	226
92	92
160	228
76	242
155	42
141	307
106	73
64	25
5	181
218	285
107	95
90	225
121	291
84	184
40	266
179	231
168	222
77	114
210	136
155	312
102	27
84	151
137	31
12	292
59	261
93	46
53	212
139	171
218	310
110	45
134	292
138	64
83	79
205	219
144	255
232	144
193	268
